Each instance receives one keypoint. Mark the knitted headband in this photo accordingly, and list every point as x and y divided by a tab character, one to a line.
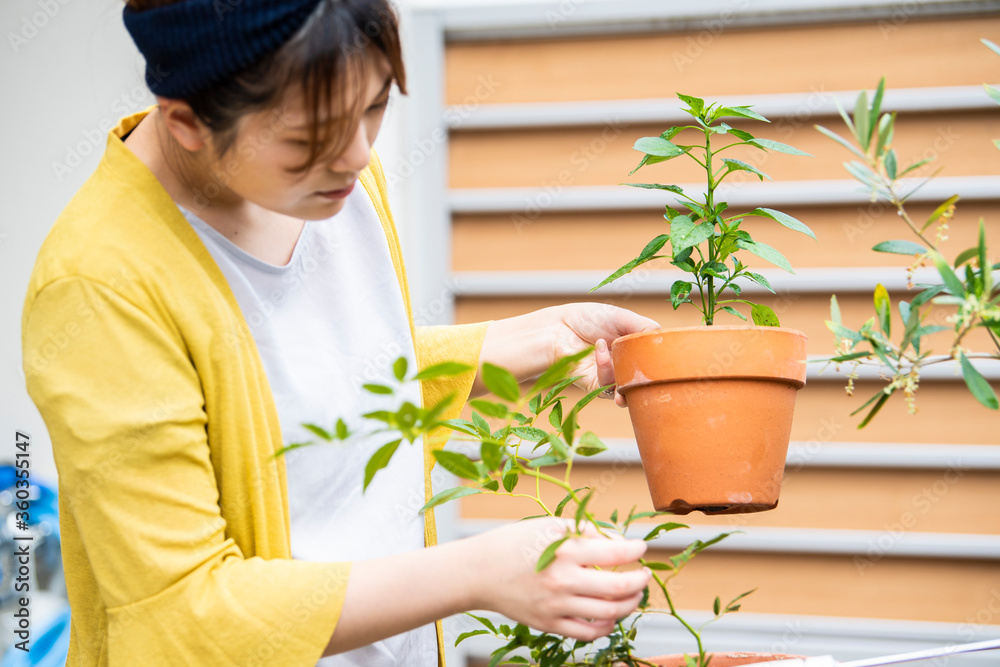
189	46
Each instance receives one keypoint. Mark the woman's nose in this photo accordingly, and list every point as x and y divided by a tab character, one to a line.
357	153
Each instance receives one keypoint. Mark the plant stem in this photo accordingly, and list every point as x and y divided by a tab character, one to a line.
709	313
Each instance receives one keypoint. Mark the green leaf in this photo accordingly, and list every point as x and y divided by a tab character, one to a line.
547	460
740	165
656	186
472	633
940	211
862	125
843	332
399	368
955	286
457	464
657	146
485	621
763	316
783	219
760	280
590	445
549	555
886	130
444	369
850	357
377	388
978	385
490	408
686	234
739	112
379	460
491	454
840	140
765	251
501	382
743	135
993	47
992	92
882	398
900	248
915	166
581	509
529	433
510	480
663	528
341	430
696	103
462	426
883	307
450	494
717	606
565	501
890	164
778	146
733	311
320	431
876	107
679	293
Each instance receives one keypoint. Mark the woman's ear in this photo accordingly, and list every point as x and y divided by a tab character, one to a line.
183	124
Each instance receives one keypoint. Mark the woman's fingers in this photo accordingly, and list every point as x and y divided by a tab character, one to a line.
601	551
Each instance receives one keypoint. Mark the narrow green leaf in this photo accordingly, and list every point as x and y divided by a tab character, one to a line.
783	219
456	463
993	47
978	385
886	130
840	140
444	369
742	135
992	92
663	528
760	280
890	164
876	107
485	621
900	248
399	368
717	606
321	432
472	633
377	388
843	332
379	460
883	308
501	382
952	281
739	112
915	166
581	509
740	165
764	316
549	555
450	494
656	186
765	251
657	146
945	206
850	357
341	430
861	124
779	147
874	411
733	311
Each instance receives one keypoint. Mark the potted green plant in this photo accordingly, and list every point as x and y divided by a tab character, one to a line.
512	445
711	406
966	282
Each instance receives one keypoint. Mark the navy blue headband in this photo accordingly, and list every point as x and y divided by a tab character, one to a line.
191	45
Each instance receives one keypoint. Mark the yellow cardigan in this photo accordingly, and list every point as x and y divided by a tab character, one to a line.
174	515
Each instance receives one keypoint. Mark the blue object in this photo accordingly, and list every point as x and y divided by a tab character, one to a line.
48	650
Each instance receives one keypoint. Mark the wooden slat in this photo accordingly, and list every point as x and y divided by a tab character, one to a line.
605	240
807	313
919	590
961	142
944	501
911	53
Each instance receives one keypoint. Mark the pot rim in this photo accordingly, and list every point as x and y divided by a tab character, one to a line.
709	328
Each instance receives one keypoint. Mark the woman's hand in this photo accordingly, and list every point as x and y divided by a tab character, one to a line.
569	597
528	344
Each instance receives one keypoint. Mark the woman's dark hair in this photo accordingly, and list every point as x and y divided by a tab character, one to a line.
328	56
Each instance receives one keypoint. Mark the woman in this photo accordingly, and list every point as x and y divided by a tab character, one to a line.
222	279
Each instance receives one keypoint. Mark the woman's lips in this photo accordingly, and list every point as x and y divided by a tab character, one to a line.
336	194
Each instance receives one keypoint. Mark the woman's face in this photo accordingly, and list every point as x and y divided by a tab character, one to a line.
270	144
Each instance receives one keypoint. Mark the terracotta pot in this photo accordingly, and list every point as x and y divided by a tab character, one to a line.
711	408
733	659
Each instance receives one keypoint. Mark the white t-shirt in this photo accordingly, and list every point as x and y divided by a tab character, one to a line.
329	321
